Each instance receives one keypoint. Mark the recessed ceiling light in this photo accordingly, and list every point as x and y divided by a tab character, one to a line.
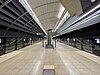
93	0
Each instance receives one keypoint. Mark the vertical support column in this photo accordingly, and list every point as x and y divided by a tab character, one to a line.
55	42
71	41
82	44
30	41
43	42
68	40
4	45
49	45
49	37
74	40
15	43
93	44
23	43
55	39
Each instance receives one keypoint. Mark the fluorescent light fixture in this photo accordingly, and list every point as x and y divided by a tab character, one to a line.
67	39
29	9
97	40
73	39
92	0
67	15
88	40
30	39
61	8
90	19
24	39
0	40
45	36
98	6
37	33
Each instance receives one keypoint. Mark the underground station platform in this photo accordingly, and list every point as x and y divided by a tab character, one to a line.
36	60
49	37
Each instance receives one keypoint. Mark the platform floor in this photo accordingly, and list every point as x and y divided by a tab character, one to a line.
66	60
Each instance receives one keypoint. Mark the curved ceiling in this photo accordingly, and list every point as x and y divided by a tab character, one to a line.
51	14
47	11
48	18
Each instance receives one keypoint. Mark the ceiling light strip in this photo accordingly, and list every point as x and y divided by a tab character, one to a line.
84	15
67	15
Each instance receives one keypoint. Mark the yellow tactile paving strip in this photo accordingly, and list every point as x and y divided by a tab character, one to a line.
66	60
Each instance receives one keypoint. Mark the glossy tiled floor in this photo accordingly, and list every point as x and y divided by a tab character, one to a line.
66	60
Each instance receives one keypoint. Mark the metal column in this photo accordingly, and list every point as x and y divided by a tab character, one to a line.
82	44
15	43
4	45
